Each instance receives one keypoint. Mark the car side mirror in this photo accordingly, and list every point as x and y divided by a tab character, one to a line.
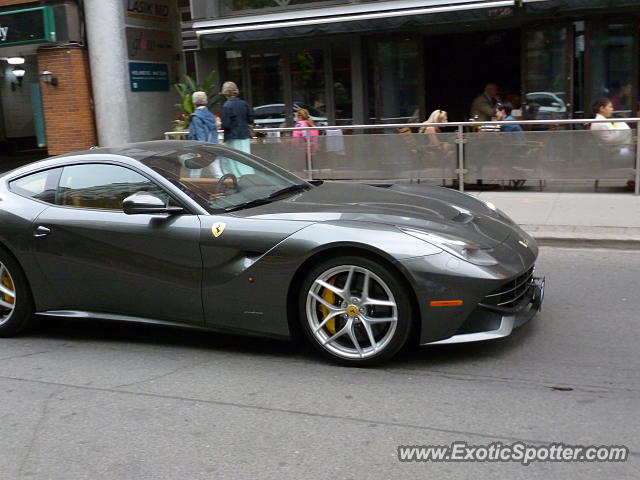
147	203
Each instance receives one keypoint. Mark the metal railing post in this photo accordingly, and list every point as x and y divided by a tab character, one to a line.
637	185
309	160
460	158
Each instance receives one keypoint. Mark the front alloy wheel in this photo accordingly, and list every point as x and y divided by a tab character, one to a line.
355	311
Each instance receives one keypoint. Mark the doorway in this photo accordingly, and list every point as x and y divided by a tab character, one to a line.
458	66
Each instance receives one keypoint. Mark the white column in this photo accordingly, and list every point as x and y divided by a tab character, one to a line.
109	69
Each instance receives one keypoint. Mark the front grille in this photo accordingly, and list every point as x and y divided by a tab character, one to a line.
509	293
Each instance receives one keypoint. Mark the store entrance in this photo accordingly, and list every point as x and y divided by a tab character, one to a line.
21	116
458	66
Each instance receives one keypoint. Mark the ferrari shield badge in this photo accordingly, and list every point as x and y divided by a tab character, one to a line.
218	228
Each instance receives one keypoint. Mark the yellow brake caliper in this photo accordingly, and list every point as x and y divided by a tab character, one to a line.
330	297
6	281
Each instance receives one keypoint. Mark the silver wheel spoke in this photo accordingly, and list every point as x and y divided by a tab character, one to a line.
379	303
331	288
372	340
375	320
318	298
338	334
6	291
6	304
353	338
365	284
326	319
347	285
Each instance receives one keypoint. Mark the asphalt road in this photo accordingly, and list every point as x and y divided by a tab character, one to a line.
103	401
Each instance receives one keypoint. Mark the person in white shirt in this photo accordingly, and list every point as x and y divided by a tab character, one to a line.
611	133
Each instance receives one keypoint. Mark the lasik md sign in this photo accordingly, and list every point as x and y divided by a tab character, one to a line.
30	25
147	13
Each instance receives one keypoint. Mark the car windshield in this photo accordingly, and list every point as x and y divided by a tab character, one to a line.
223	180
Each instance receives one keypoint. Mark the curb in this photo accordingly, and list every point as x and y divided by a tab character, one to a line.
616	242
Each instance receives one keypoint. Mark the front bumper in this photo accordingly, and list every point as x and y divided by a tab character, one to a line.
489	322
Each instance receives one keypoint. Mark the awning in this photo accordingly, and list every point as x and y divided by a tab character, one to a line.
571	6
251	29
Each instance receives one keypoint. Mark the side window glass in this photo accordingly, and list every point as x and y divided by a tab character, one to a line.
39	186
102	187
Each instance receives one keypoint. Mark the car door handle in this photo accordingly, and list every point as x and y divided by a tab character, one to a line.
41	231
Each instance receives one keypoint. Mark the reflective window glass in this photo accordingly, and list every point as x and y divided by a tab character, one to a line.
611	65
394	81
307	82
102	186
220	179
341	58
40	186
233	59
545	73
267	79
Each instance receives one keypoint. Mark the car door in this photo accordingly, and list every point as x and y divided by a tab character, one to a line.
239	293
99	259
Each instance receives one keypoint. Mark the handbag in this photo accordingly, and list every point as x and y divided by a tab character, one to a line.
254	133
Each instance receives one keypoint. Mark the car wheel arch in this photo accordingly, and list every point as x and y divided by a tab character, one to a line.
295	331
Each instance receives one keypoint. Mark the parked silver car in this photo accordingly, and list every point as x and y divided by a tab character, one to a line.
272	115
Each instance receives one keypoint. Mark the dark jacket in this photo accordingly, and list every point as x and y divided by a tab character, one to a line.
236	115
203	126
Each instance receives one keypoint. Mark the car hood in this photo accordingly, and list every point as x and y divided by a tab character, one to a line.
437	210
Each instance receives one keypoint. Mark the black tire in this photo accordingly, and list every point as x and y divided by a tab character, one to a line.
16	309
380	331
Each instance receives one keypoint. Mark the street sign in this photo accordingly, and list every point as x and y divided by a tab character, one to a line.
29	25
148	77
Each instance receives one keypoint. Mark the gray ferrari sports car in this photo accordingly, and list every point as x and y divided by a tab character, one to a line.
197	235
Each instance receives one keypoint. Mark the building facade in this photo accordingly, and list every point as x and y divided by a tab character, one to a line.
45	85
91	72
100	72
358	62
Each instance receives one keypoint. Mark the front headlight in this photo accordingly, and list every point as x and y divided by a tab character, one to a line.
459	248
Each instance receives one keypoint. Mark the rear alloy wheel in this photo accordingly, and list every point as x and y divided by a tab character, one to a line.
15	300
354	311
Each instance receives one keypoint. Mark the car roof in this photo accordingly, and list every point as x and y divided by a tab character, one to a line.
136	151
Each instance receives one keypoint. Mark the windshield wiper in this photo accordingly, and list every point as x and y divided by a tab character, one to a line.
269	199
252	203
290	188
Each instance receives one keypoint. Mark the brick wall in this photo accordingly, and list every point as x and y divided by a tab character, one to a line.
7	3
68	107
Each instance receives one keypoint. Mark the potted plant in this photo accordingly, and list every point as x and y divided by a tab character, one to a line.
185	89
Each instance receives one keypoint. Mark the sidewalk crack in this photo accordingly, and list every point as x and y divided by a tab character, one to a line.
38	428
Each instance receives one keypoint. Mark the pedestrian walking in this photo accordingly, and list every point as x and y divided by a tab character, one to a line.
203	125
236	117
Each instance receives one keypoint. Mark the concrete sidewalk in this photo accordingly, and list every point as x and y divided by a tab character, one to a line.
609	220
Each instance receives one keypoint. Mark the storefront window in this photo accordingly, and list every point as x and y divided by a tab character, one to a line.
342	97
394	82
233	60
578	71
266	73
546	75
307	82
610	65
